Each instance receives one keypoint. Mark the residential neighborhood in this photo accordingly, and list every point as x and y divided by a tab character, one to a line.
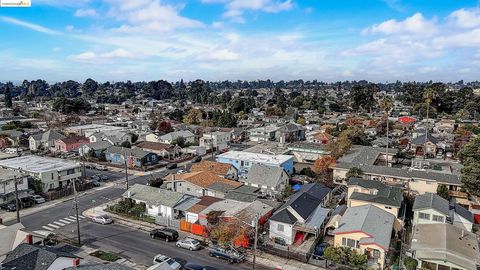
227	134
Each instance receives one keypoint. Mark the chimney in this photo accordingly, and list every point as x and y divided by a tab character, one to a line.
29	239
76	261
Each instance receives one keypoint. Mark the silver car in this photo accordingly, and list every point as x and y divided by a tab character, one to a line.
165	260
38	199
189	243
103	219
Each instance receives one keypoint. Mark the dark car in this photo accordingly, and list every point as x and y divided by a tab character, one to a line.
197	159
192	266
232	256
172	166
166	234
319	250
10	207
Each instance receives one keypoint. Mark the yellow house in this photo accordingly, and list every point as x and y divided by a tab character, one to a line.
368	230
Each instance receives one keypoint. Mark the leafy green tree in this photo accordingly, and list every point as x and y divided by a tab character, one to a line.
126	144
8	97
410	263
332	254
287	192
193	117
339	147
470	158
89	87
180	141
354	172
442	191
362	97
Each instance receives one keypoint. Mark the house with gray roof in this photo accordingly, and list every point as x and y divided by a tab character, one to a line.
301	214
97	148
372	162
363	191
35	257
444	246
172	136
430	208
271	180
134	157
158	202
424	144
368	230
44	140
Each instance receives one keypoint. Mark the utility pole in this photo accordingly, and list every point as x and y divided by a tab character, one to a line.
255	241
17	203
75	200
126	171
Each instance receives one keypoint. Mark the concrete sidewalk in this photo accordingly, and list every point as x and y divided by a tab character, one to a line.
263	259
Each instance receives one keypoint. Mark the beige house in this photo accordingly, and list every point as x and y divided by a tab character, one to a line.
366	229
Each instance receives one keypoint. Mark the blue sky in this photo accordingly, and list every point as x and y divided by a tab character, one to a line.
377	40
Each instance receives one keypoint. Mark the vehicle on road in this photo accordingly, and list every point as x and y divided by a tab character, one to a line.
103	219
319	249
166	234
232	256
38	199
101	167
103	177
197	159
162	259
95	183
181	171
189	243
96	178
171	166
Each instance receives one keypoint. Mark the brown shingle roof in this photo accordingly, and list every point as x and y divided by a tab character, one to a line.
204	179
204	202
212	166
75	139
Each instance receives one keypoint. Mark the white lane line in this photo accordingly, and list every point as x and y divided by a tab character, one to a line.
53	226
69	219
47	228
59	223
65	221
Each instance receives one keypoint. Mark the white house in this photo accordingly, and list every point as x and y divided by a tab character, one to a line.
44	140
7	184
216	140
172	136
158	202
53	172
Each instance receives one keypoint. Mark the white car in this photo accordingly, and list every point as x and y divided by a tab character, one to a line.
38	199
162	259
103	219
189	243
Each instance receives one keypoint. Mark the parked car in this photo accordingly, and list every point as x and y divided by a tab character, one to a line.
171	166
189	243
192	266
104	177
38	199
167	234
319	249
162	259
197	159
232	256
103	219
101	167
10	207
181	171
96	178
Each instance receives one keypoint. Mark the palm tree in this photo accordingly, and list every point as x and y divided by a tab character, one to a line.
428	96
386	104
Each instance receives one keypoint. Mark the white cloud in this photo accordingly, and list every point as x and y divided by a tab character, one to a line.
149	16
93	57
415	24
235	9
31	26
466	18
85	12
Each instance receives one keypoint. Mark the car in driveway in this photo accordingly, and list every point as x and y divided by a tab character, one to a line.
197	159
171	166
38	199
189	243
230	255
162	259
103	219
319	250
166	234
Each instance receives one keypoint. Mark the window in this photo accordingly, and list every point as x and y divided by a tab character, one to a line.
280	227
423	216
350	243
188	189
70	171
376	253
437	218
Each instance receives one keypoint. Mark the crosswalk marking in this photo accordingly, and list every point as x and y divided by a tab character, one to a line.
53	226
82	217
69	219
59	223
47	228
65	221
